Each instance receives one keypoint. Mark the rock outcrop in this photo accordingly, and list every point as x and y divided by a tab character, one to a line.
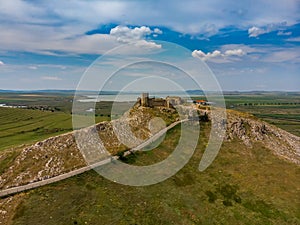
249	130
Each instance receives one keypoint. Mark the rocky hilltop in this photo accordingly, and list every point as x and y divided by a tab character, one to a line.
57	155
250	130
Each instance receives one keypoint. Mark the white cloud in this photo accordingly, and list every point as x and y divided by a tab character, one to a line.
137	35
21	11
2	63
198	53
281	55
295	39
52	25
282	33
147	44
218	54
126	35
257	31
34	38
265	53
157	31
234	52
207	30
51	78
49	26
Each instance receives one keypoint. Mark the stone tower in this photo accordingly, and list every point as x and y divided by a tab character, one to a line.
145	99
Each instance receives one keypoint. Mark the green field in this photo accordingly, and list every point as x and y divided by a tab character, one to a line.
21	126
25	126
242	186
50	101
47	114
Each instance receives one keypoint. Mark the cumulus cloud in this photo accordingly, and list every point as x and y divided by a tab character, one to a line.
257	31
198	53
2	63
125	34
234	52
209	55
215	54
137	35
51	78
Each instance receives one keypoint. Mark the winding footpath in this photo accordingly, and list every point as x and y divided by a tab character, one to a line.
15	190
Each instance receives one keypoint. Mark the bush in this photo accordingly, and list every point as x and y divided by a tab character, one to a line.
228	191
227	203
212	197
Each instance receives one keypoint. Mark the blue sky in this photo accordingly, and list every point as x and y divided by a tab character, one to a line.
249	45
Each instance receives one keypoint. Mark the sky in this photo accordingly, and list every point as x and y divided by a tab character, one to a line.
248	45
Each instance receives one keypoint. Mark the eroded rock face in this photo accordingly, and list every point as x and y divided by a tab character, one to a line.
250	130
45	159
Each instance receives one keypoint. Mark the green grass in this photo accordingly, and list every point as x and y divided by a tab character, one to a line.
25	126
7	159
242	186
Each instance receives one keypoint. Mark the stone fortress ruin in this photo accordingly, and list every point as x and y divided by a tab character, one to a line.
169	101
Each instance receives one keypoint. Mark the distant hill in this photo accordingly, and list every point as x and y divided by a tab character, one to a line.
190	92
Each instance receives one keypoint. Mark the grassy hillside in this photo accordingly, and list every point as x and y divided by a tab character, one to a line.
242	186
24	126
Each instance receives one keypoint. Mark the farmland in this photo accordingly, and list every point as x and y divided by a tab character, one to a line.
21	126
45	115
279	109
26	126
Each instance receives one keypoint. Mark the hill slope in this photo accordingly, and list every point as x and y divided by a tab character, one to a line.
250	130
247	184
